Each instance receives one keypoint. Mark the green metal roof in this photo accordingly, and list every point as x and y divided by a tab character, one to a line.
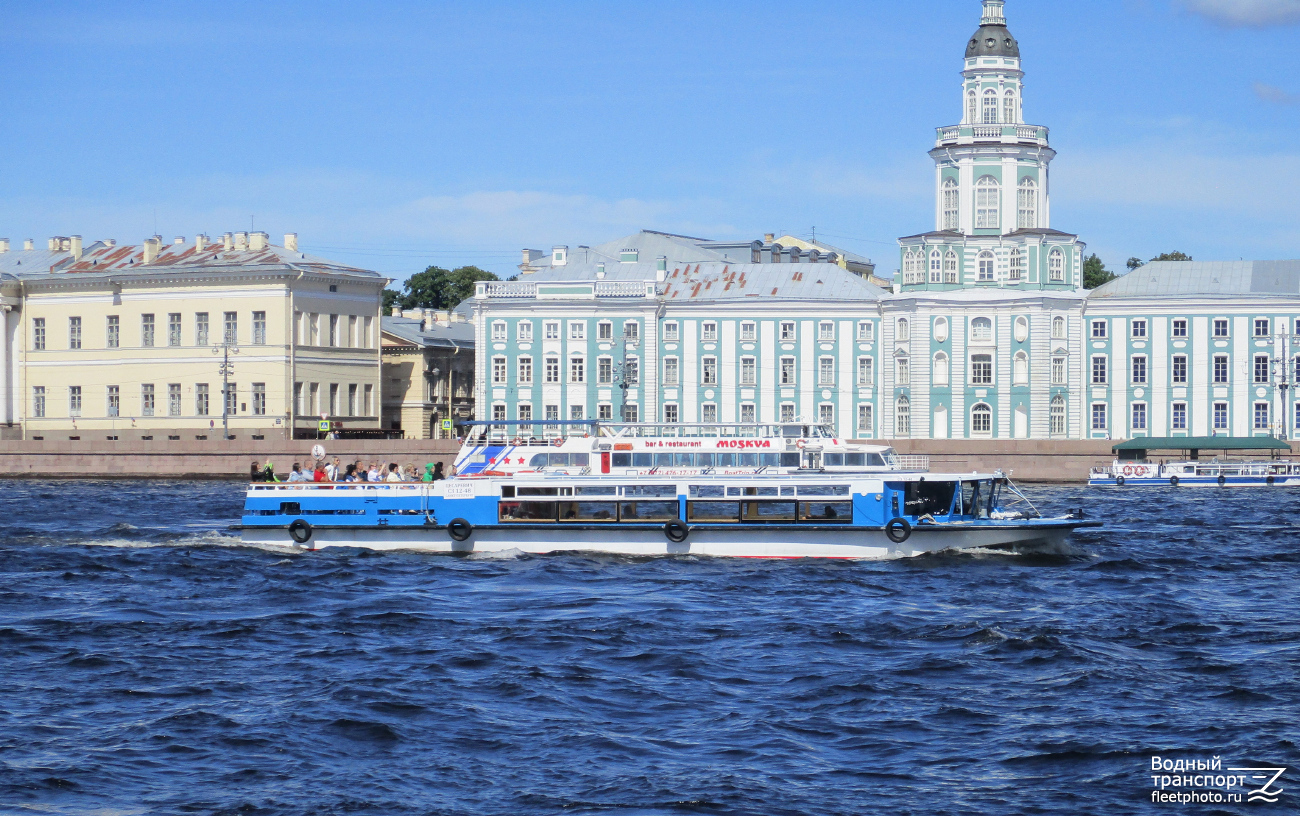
1146	443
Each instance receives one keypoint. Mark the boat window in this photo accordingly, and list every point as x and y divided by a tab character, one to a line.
789	460
713	512
539	460
663	460
934	498
648	511
684	460
579	459
833	460
823	490
761	491
826	512
707	492
593	490
774	459
621	460
791	431
507	491
767	511
643	460
526	511
747	460
588	511
724	459
539	491
650	491
873	460
705	460
291	508
969	493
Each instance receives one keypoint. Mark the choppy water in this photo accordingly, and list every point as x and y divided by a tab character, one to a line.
148	664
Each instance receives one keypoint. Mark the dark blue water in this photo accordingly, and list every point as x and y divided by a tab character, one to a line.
151	665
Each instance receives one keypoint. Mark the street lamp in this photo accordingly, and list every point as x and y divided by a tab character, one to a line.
226	368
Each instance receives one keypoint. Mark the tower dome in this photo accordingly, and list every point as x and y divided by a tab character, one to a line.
993	39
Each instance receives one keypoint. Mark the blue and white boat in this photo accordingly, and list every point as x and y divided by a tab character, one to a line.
1134	466
793	506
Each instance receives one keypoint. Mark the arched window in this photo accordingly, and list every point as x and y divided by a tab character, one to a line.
990	107
1056	266
951	205
1057	416
1058	328
1021	331
940	369
1009	108
941	330
987	193
1020	369
981	330
909	267
970	108
981	419
1017	265
986	261
950	267
1027	211
936	267
902	417
903	334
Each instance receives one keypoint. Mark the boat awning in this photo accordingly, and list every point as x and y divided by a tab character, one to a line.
1224	443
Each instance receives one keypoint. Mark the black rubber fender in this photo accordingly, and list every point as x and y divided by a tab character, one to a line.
459	529
1222	480
676	531
1119	480
1173	481
300	531
1270	480
898	529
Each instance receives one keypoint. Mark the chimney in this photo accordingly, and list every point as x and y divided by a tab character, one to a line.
54	244
150	250
661	263
770	237
397	311
29	244
241	241
600	271
200	241
4	245
109	242
291	241
227	242
75	248
258	241
178	240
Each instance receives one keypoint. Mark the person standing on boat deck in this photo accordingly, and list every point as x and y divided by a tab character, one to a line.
438	475
373	474
255	473
332	470
296	475
428	473
350	474
268	472
410	474
318	473
393	474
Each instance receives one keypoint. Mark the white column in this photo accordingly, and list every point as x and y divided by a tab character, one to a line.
6	401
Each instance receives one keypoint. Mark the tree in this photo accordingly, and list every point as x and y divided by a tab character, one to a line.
391	296
1095	273
438	288
1172	256
1134	263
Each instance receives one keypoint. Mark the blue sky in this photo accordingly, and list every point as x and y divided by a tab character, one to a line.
394	135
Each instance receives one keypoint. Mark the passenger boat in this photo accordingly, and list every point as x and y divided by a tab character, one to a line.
1134	467
796	506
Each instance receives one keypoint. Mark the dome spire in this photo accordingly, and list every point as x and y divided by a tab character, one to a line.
993	13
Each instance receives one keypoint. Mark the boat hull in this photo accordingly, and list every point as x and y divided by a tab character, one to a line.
1198	481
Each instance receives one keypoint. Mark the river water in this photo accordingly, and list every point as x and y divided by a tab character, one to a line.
150	664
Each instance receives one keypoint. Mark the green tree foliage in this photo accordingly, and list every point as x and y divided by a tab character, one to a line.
438	288
391	296
1095	273
1134	263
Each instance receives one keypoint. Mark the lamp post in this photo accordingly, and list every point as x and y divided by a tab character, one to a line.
626	379
1280	343
226	349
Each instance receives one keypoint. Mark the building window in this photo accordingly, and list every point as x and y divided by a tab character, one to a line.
987	194
552	369
981	330
787	371
970	107
1099	330
201	398
1262	327
981	419
986	261
113	335
709	331
38	401
201	328
940	369
577	370
866	423
259	399
826	415
576	412
632	371
604	412
174	329
1178	416
259	328
1140	370
1139	329
230	329
903	332
173	399
912	268
748	414
74	332
1058	371
788	332
748	371
709	371
1296	366
114	401
232	398
368	394
1058	328
146	330
1139	416
903	417
1017	259
551	330
1056	266
951	205
631	332
605	331
748	332
632	413
525	332
1056	417
1220	368
1261	368
1178	369
1009	107
1261	416
498	413
577	330
1220	327
1180	328
1098	370
981	369
74	401
1099	416
866	372
950	267
990	107
866	332
499	371
709	413
1220	416
1027	199
902	371
1020	369
499	331
604	370
38	334
525	370
670	413
826	331
936	267
787	412
146	400
826	371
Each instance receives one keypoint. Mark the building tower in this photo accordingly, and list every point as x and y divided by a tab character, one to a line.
992	206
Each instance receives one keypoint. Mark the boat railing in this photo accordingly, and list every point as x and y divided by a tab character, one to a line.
911	462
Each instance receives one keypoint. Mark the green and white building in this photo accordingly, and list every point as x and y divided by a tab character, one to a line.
986	333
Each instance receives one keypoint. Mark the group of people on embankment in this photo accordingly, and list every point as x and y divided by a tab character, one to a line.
321	470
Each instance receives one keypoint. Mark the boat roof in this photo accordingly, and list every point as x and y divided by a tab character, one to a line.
1225	443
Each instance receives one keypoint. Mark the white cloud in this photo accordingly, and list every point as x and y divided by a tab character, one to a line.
1249	13
1270	93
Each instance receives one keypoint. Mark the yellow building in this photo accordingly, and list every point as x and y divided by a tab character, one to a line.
177	341
428	372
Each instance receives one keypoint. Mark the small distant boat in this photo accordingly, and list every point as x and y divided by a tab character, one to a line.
1134	467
